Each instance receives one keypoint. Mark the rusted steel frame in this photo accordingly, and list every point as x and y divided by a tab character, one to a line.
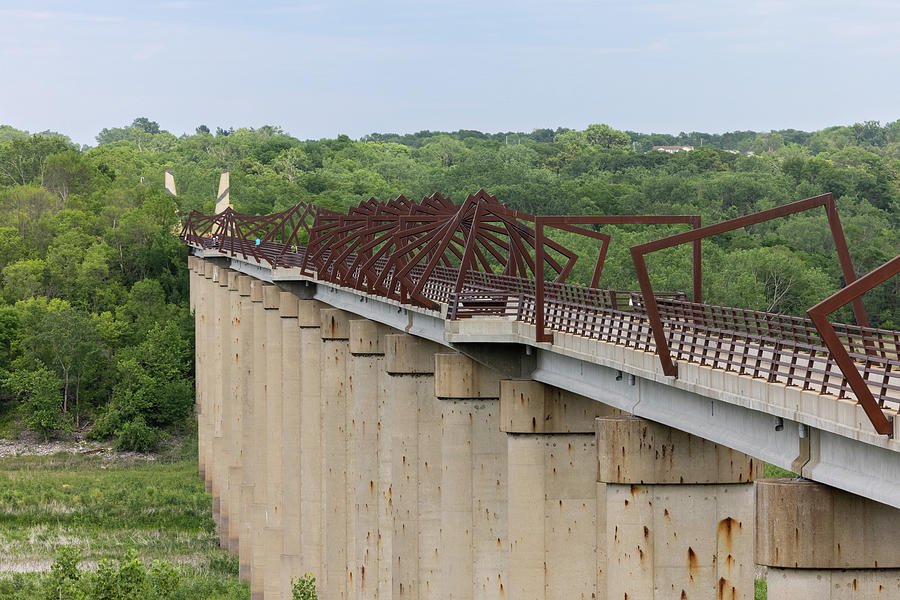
471	241
562	222
541	334
819	315
439	244
639	251
432	234
365	260
345	239
318	234
388	239
293	238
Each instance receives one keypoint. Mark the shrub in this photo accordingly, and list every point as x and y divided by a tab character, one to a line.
136	435
41	401
304	588
64	581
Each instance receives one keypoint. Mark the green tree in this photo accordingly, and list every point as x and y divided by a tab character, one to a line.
41	403
604	136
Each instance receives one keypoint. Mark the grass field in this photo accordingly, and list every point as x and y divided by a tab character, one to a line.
155	506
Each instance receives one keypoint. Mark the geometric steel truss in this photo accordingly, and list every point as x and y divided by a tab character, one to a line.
482	258
819	316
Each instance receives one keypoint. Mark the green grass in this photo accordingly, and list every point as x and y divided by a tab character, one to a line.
771	471
157	507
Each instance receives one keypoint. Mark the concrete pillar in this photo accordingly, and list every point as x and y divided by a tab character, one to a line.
248	458
312	480
291	359
525	493
473	538
821	543
225	435
221	402
335	331
274	402
259	444
366	367
415	466
679	511
197	282
234	414
204	372
556	531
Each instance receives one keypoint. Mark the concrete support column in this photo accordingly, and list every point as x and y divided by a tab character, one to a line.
312	479
291	359
821	543
679	511
204	373
234	422
366	368
525	493
221	402
415	466
259	442
335	331
473	483
273	532
556	532
197	282
247	449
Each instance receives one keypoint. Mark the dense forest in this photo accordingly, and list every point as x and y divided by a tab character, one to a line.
95	331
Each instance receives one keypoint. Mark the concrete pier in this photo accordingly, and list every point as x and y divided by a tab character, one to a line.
335	330
473	500
312	478
556	531
820	543
679	513
248	456
291	385
367	348
258	446
274	377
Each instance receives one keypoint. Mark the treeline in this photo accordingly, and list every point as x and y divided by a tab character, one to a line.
94	324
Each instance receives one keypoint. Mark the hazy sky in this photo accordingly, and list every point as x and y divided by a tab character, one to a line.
319	69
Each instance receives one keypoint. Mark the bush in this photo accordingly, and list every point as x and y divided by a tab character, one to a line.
304	588
136	435
64	581
41	401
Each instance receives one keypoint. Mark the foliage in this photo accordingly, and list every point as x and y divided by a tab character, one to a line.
136	435
38	391
93	284
304	588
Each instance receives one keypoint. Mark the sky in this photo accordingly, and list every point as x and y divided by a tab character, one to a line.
320	69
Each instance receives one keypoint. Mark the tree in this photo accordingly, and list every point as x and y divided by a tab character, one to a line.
604	136
22	160
23	279
145	125
65	173
70	341
38	391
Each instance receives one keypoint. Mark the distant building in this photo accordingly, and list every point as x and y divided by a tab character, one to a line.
671	149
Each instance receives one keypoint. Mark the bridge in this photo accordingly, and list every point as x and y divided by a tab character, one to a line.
411	400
